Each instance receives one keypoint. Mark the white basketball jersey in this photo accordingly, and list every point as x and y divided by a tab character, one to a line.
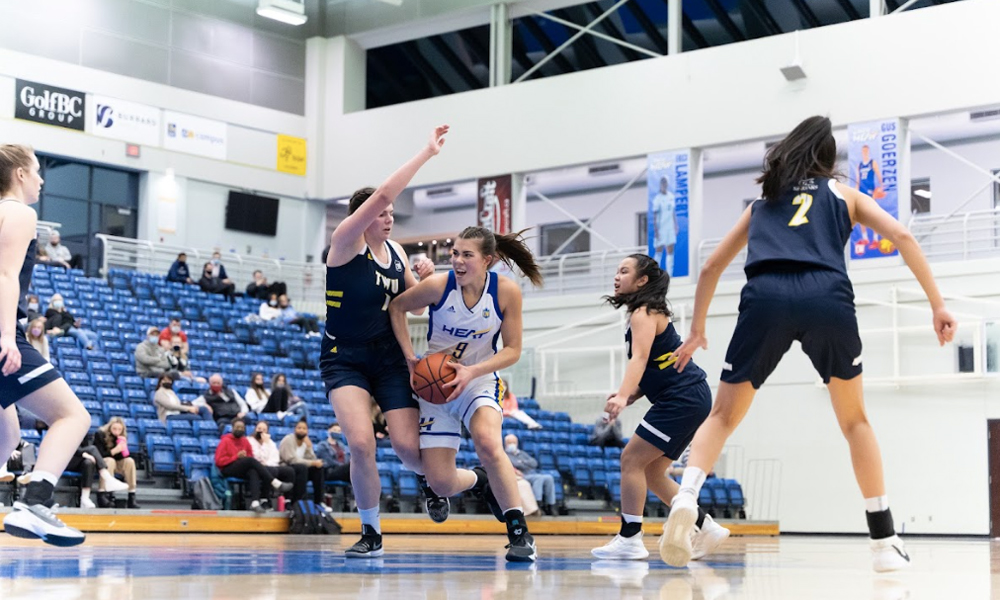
468	334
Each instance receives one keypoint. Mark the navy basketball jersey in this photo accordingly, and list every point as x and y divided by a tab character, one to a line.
807	227
358	295
24	277
660	375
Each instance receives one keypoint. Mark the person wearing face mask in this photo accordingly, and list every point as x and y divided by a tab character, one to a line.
170	408
37	338
257	395
60	322
60	255
218	269
297	452
260	289
33	307
266	451
525	465
336	463
234	458
283	402
174	330
224	402
152	359
269	310
213	284
290	316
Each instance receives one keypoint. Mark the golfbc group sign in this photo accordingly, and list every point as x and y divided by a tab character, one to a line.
50	105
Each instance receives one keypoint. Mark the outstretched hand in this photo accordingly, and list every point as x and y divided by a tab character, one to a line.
437	139
686	350
944	325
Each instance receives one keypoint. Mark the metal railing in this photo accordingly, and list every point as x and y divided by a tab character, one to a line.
735	268
579	272
305	281
962	236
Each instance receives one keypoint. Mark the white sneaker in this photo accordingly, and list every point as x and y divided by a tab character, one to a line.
39	522
86	502
622	548
889	555
675	543
5	475
111	484
24	479
707	539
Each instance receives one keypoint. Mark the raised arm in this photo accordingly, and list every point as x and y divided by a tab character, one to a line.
708	280
16	232
868	213
346	238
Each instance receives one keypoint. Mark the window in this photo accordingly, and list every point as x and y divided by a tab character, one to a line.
920	196
554	235
642	228
996	189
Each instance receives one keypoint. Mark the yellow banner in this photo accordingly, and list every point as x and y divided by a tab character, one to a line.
291	155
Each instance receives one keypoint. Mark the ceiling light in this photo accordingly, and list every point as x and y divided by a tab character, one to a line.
292	12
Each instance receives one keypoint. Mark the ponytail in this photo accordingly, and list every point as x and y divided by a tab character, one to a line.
652	295
509	248
810	150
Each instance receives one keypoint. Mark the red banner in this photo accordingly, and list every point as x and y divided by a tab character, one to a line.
493	203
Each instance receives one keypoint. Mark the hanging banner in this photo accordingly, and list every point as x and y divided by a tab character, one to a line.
125	121
493	203
194	135
291	155
873	161
667	217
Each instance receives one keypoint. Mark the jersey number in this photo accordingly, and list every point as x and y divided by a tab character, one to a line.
385	305
804	202
460	349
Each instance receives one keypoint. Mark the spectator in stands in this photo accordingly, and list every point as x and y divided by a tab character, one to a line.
607	434
224	402
34	308
234	458
336	465
260	289
111	441
60	322
37	338
379	423
174	329
283	402
525	465
85	462
21	459
169	406
297	452
290	316
218	269
265	450
152	359
176	353
510	408
269	310
41	257
179	272
257	395
60	255
215	285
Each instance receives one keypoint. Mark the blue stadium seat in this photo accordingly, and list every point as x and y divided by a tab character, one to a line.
180	428
197	466
408	486
184	444
151	427
160	450
142	411
116	409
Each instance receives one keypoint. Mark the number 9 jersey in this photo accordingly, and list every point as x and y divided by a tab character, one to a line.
469	335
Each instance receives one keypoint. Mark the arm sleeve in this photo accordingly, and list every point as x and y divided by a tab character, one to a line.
224	453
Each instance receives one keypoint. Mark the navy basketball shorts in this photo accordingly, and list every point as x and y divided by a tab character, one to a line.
815	307
377	367
670	424
34	374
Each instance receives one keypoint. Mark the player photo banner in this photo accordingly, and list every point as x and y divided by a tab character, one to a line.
493	203
873	157
668	184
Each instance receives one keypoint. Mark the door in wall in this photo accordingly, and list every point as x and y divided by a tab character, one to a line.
993	431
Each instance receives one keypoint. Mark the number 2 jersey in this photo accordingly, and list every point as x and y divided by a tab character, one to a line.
470	335
358	295
805	228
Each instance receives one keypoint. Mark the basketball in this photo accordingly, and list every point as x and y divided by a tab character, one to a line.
878	194
885	246
430	374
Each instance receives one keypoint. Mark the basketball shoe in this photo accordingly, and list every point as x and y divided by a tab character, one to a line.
622	548
438	508
522	545
38	521
675	543
369	546
707	538
889	555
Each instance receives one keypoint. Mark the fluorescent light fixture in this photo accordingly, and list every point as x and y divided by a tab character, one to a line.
292	12
392	2
922	193
344	201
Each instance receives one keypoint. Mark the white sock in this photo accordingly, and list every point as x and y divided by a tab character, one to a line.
632	518
44	476
670	264
692	481
369	516
877	504
255	503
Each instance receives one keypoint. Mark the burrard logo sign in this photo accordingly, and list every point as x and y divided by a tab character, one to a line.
50	105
